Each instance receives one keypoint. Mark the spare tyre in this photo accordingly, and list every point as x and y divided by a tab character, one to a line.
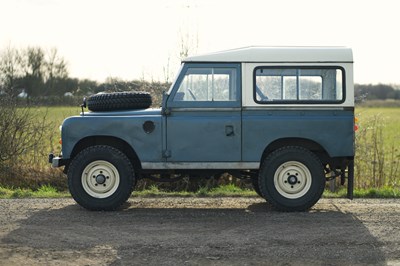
119	101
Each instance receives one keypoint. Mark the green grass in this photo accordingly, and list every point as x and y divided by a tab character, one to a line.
377	162
390	118
232	191
43	192
54	117
221	191
385	192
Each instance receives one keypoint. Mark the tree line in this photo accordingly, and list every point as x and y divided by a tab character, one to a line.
41	76
363	92
33	71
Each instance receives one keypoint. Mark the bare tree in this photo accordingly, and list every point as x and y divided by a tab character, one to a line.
33	69
55	70
56	66
10	70
33	62
167	71
20	130
189	44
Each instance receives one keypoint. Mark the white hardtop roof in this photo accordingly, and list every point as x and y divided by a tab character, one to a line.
278	54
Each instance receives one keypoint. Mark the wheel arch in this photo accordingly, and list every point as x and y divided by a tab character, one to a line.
115	142
308	144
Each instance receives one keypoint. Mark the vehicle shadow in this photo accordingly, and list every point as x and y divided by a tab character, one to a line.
256	235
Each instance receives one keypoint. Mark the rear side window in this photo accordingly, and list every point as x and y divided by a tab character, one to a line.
299	84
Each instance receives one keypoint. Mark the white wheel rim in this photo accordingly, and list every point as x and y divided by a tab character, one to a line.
292	179
100	179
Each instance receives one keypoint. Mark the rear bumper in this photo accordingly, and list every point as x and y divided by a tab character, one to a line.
56	161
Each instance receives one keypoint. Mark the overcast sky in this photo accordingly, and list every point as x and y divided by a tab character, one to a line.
132	39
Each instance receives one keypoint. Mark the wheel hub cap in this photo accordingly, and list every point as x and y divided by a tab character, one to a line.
292	179
100	179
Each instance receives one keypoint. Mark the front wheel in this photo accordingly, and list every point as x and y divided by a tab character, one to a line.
292	179
101	178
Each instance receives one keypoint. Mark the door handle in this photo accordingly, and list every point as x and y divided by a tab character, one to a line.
229	131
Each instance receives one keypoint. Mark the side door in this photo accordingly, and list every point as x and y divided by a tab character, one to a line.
204	120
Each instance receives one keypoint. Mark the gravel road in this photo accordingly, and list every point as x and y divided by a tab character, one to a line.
199	231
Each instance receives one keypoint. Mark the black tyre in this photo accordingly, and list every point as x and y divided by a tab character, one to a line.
101	178
292	179
119	101
256	186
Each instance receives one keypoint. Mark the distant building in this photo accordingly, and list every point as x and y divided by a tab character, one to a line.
23	94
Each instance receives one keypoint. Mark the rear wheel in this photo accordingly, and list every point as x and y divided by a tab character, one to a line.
256	186
292	179
101	178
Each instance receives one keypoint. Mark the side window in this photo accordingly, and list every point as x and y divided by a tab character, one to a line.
298	85
208	84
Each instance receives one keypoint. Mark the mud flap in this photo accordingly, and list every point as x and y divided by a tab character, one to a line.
350	180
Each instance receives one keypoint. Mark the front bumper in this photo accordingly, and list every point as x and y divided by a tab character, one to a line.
56	161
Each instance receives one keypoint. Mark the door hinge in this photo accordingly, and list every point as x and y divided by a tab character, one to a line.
165	111
166	154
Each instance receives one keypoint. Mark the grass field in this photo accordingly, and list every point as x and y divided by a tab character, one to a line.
55	116
230	190
388	118
378	148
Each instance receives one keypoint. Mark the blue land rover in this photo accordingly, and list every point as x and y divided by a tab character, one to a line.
282	116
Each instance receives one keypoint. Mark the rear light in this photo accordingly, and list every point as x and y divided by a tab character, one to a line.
355	124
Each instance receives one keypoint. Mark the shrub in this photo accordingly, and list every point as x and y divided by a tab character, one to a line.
377	162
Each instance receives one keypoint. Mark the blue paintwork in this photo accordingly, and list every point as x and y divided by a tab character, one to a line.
126	125
201	136
204	135
332	129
